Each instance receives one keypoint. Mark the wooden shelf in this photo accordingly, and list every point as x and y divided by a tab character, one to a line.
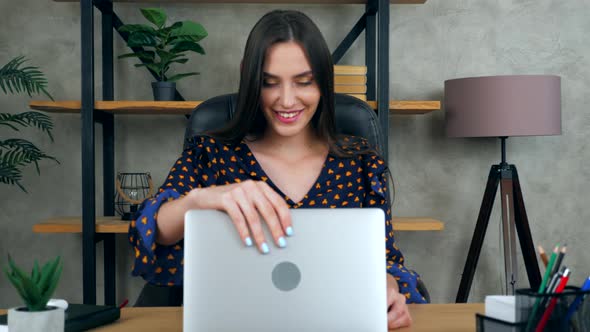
118	107
74	225
406	224
116	225
186	107
339	2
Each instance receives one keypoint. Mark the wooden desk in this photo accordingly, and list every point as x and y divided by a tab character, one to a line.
427	317
115	225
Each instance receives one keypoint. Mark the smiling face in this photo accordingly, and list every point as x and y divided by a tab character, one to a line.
290	95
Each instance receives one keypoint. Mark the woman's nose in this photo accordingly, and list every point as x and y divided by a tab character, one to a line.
287	97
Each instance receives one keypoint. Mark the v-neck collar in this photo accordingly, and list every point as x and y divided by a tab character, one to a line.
262	175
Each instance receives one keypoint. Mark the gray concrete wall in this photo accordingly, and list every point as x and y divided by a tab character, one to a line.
435	176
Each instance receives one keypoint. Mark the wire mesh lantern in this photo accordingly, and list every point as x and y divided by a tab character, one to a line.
132	190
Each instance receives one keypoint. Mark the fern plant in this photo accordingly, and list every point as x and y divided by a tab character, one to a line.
37	288
16	153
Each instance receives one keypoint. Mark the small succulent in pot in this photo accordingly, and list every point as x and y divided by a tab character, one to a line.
36	288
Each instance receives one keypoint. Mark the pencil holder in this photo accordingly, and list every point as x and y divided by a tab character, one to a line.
563	314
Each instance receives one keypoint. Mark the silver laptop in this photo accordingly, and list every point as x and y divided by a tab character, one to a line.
330	277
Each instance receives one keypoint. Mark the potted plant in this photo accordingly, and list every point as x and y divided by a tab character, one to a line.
35	290
16	153
160	46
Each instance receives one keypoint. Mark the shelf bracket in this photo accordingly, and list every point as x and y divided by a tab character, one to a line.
350	38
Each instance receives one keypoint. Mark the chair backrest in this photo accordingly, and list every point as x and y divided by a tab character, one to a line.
353	117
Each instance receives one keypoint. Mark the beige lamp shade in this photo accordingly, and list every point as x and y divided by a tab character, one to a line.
498	106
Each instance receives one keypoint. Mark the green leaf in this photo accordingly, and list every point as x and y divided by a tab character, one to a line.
8	124
11	175
165	58
15	270
17	285
16	157
164	55
152	66
15	79
130	28
183	60
21	152
48	272
48	292
28	119
46	267
163	33
178	39
141	39
192	29
179	76
128	55
32	293
154	15
184	46
35	273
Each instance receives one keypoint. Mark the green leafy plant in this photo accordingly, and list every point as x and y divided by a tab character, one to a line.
163	45
35	289
14	78
16	153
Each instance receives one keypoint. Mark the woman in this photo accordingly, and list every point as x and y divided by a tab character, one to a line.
280	151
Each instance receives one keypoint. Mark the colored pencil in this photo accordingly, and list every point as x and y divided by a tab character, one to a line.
553	303
543	256
544	282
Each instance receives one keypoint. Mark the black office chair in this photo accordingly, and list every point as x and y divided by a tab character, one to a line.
353	117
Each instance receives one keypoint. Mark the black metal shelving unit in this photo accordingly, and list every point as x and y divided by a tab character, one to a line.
375	23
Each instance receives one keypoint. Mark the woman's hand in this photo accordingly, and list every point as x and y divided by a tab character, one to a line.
398	314
245	203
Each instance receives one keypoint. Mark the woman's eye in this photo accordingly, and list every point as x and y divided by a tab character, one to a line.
272	83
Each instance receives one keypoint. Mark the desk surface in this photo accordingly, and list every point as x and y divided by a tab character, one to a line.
116	225
427	317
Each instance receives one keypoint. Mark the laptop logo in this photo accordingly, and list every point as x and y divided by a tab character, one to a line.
286	276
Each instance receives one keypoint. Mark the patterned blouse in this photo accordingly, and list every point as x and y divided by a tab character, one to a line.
359	181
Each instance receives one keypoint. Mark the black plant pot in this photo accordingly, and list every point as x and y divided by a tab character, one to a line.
164	91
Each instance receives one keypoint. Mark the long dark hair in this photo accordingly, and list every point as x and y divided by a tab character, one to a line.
277	27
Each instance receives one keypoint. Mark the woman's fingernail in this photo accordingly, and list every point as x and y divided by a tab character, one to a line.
264	248
248	242
282	242
289	231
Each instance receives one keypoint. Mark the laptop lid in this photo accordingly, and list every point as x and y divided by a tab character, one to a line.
330	277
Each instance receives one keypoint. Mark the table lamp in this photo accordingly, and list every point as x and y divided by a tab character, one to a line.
132	190
503	106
